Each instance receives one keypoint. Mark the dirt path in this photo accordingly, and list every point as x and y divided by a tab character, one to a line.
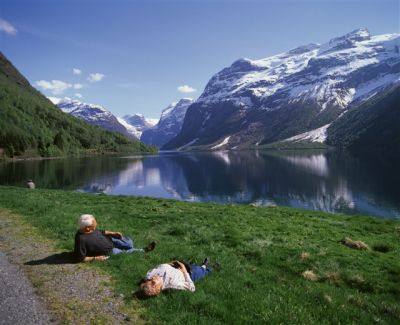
73	293
18	302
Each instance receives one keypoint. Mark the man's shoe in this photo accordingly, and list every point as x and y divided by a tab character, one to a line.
205	262
150	247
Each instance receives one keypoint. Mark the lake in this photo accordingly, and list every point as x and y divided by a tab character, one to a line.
333	181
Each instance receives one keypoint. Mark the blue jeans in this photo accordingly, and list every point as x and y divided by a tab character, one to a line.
198	272
124	245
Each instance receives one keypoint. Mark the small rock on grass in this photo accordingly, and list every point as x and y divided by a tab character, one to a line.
355	244
327	298
309	275
304	255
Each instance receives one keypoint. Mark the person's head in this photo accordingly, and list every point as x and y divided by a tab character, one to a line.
152	287
87	222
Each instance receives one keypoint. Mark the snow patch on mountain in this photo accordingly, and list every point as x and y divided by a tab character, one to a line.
318	135
188	144
130	128
222	143
370	88
176	110
169	125
88	111
136	124
91	113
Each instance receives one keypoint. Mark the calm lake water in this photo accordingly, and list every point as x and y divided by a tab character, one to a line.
329	181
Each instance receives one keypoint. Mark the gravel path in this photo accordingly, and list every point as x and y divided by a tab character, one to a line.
72	293
18	302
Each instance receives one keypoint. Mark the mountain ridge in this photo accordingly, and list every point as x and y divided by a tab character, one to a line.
267	100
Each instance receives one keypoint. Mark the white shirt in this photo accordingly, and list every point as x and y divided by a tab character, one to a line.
173	278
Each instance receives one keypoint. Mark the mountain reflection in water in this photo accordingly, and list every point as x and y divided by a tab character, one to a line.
329	181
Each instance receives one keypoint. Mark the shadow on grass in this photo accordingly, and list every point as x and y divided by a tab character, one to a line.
140	295
60	258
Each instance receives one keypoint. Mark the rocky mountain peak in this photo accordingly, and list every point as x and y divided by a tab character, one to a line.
269	99
92	113
348	40
169	125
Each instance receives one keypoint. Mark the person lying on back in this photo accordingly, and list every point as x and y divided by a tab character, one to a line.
175	275
93	244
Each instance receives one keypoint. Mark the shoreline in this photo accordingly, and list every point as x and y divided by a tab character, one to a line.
31	158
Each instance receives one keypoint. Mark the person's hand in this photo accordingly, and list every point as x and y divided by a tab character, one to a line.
115	234
175	264
95	258
118	234
182	266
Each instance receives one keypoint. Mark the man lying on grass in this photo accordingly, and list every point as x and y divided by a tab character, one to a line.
92	244
174	275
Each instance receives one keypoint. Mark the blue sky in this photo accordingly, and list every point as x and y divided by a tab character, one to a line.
138	56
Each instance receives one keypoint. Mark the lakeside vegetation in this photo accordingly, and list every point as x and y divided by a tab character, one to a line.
263	253
30	125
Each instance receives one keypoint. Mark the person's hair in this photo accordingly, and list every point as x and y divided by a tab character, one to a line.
149	290
86	220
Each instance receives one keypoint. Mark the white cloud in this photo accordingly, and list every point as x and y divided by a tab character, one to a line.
54	100
186	89
56	87
7	28
95	77
76	71
78	86
78	95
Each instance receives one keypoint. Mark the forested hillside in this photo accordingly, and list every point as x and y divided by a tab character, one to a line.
374	125
30	124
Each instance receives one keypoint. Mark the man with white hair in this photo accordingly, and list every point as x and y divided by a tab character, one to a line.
93	244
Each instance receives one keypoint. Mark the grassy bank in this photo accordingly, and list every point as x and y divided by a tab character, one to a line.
263	253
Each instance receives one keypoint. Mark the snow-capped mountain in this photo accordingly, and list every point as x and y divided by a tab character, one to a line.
169	125
136	124
91	113
267	100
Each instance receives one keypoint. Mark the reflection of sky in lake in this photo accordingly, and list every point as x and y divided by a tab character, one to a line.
332	182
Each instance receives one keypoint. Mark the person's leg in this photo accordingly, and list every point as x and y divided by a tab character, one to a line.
124	243
116	251
133	250
198	272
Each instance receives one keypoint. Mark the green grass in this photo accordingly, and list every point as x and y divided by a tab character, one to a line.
259	249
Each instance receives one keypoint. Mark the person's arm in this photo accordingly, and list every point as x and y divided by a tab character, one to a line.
80	248
188	284
95	258
115	234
